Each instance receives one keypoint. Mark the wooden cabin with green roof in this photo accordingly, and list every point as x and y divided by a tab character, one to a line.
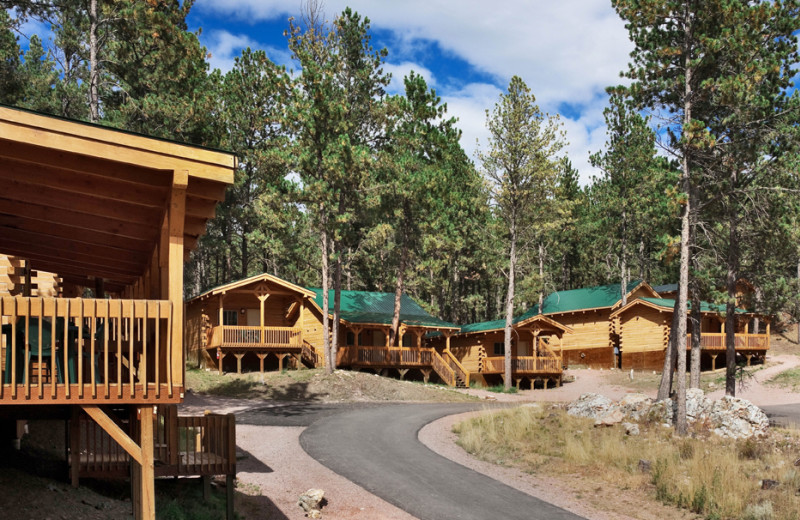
365	323
643	328
587	312
536	350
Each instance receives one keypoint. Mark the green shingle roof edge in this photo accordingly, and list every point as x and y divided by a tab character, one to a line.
378	308
597	297
704	306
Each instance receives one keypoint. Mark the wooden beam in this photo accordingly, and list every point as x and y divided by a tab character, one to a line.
116	433
99	142
147	477
74	218
206	190
65	270
81	183
46	244
177	211
81	163
55	256
203	208
88	236
99	206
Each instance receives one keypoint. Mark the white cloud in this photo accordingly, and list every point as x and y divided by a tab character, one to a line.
225	47
567	52
400	70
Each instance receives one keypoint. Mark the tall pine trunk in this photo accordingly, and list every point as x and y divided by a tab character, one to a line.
670	357
541	276
94	73
683	283
732	276
512	268
398	295
694	365
326	324
337	303
623	279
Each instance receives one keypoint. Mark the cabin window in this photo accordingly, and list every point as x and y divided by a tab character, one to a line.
407	340
500	349
351	338
230	318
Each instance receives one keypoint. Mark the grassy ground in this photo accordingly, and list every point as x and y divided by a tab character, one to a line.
715	478
787	379
647	380
315	385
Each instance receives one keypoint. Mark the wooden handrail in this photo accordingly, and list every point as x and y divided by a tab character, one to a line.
444	370
88	350
235	336
523	364
716	341
310	352
384	356
457	367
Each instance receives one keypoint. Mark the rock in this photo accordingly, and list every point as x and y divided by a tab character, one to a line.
611	418
631	429
310	501
645	465
769	484
737	418
697	405
590	405
661	412
636	406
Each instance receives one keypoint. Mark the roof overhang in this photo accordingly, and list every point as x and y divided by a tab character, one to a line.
255	280
89	202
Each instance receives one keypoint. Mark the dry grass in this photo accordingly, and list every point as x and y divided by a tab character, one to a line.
315	385
644	381
715	478
787	379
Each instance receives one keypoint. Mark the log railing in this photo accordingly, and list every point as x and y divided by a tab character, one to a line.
384	356
80	351
443	369
184	446
309	353
458	369
716	341
229	336
522	365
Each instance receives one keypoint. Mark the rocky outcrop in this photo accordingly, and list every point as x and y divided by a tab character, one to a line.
311	502
728	417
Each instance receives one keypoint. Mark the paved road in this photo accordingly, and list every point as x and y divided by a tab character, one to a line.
377	448
785	415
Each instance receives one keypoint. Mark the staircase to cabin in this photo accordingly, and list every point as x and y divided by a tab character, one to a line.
308	355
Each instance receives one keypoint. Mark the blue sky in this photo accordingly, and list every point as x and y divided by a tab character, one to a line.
566	51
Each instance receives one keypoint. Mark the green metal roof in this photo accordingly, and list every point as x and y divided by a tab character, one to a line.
670	287
704	306
378	308
483	326
598	297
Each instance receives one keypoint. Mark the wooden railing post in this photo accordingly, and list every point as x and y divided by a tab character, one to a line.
177	212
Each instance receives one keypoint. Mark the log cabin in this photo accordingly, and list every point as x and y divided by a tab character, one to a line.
643	329
117	213
536	350
587	313
745	293
365	324
261	318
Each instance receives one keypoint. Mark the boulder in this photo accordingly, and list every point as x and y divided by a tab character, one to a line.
697	405
737	418
311	501
611	418
590	405
631	429
636	406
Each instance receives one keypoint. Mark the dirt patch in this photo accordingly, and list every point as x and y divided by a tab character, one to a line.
315	385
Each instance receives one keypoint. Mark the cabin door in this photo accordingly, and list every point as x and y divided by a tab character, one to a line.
253	318
523	349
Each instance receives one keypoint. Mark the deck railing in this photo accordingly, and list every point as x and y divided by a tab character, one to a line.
444	370
229	336
384	356
458	368
199	445
716	341
522	365
76	351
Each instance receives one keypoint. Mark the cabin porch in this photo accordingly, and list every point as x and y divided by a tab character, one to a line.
368	347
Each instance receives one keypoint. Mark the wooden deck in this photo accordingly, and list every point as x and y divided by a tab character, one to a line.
92	351
744	342
427	360
262	341
523	365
